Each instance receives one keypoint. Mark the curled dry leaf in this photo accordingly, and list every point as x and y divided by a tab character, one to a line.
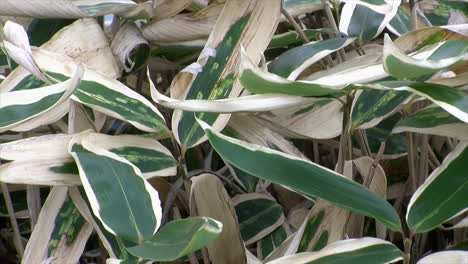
209	198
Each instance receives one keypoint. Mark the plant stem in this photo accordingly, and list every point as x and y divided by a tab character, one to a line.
345	151
294	24
11	213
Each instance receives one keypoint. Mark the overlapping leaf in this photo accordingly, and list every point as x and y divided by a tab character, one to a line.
435	121
111	181
213	75
178	238
425	64
294	61
261	82
258	216
306	177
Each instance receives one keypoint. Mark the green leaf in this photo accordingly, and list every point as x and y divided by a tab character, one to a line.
304	176
257	215
178	238
20	106
422	66
443	194
124	202
294	61
450	99
372	106
150	156
401	22
434	121
441	12
261	82
366	19
290	37
351	251
272	241
213	76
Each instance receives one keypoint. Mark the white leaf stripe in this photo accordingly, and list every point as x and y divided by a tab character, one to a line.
249	103
335	248
391	50
153	195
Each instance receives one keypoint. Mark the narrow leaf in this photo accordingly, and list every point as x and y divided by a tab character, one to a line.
434	121
450	99
20	106
250	24
350	251
443	194
294	61
261	82
249	103
305	177
372	106
443	55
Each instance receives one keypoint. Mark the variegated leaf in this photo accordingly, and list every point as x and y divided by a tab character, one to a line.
434	121
261	82
348	251
294	61
61	232
258	216
216	78
366	19
191	234
309	178
443	194
113	182
424	64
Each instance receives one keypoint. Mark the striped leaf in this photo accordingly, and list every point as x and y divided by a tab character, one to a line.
261	82
372	106
423	65
249	103
450	99
443	194
150	156
434	121
362	69
114	245
290	37
55	165
178	238
258	216
56	171
294	61
246	23
20	106
112	182
305	177
102	93
363	250
366	19
401	22
61	232
271	242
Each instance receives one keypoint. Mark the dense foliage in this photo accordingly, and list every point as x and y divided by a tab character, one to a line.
236	131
